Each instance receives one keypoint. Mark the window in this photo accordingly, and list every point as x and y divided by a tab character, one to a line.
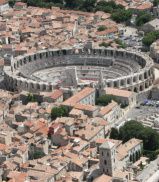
105	162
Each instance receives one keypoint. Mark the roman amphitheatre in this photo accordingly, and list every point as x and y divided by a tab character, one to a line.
49	69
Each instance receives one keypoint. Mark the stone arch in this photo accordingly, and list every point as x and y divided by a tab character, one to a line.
128	81
64	52
145	75
44	87
115	84
30	59
122	82
35	56
17	64
38	86
141	88
146	85
134	79
108	84
136	89
24	60
32	85
21	63
47	55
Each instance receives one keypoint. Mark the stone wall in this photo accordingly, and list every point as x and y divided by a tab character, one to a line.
17	76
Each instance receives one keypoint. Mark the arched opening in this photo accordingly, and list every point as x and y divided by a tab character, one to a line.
38	86
122	82
34	56
141	88
146	85
140	77
64	52
29	58
135	89
128	81
115	84
134	79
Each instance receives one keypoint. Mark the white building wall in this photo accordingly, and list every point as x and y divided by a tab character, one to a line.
4	7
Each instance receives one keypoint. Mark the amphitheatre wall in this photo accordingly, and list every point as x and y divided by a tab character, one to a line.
138	68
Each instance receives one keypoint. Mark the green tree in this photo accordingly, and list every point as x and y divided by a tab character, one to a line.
120	43
88	5
104	44
11	3
143	18
105	100
150	37
101	28
150	138
114	134
108	7
59	112
122	15
156	2
72	4
31	98
38	154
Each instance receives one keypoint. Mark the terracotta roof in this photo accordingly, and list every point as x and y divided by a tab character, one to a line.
103	178
2	147
107	31
143	6
105	110
79	96
54	95
20	4
85	107
118	92
3	2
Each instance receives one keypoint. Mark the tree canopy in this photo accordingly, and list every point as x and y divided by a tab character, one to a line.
59	112
108	7
150	37
104	44
134	129
156	2
102	28
31	98
122	15
143	18
105	100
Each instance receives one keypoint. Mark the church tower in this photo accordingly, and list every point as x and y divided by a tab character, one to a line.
101	84
107	153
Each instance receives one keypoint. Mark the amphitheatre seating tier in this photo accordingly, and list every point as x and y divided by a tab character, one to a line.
120	68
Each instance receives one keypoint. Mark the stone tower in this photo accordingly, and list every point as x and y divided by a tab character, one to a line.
107	154
71	78
101	86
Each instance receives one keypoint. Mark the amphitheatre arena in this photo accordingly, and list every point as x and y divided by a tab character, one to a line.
49	69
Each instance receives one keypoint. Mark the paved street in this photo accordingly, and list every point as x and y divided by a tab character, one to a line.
142	112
